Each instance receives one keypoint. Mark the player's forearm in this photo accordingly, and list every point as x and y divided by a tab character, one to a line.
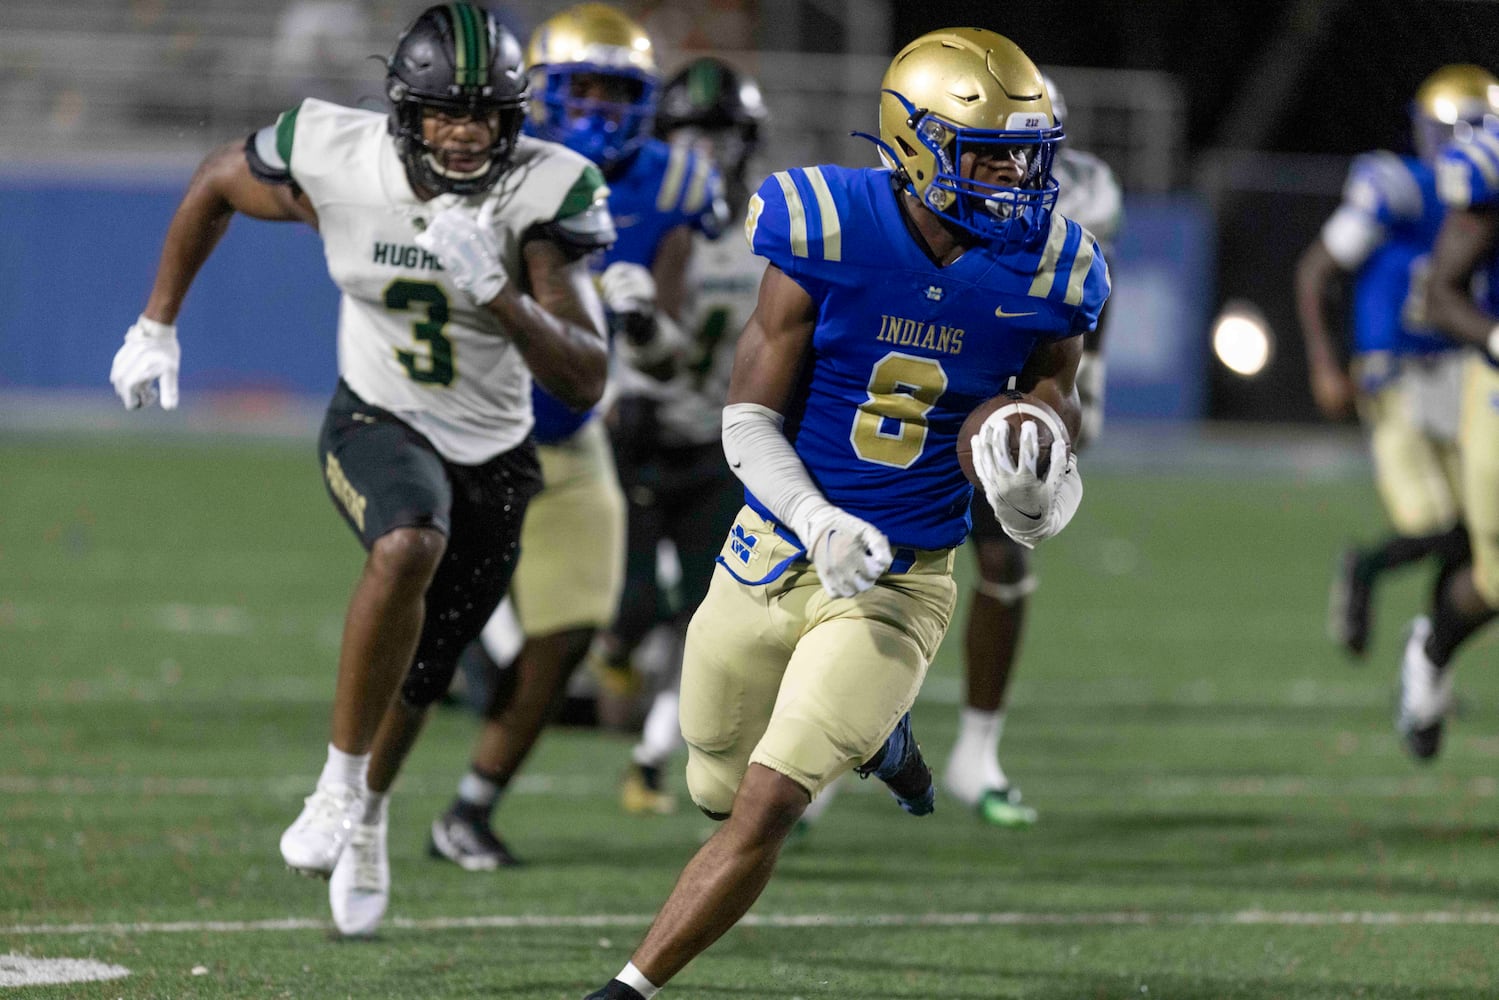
567	359
196	228
1453	311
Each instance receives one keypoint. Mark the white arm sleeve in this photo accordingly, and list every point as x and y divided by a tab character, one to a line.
768	465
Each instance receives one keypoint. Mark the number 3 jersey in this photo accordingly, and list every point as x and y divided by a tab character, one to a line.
904	349
409	340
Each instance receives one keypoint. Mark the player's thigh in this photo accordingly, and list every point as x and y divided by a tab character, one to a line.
854	673
380	473
732	664
1480	469
1410	466
572	545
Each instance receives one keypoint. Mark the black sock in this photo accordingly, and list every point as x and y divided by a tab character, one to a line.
650	776
1453	618
1398	550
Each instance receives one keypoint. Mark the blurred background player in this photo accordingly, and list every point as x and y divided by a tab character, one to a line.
835	584
668	420
430	465
1088	194
1402	376
594	90
1466	595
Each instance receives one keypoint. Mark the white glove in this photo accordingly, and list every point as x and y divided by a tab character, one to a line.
1090	383
628	287
848	552
1029	507
469	247
150	353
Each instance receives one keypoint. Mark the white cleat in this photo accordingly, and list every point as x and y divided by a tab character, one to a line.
359	890
1425	695
312	844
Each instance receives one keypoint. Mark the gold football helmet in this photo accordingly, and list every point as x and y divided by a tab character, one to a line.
594	76
963	90
1450	103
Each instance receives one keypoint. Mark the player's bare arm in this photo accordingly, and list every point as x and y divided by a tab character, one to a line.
768	359
559	327
222	186
1331	387
1465	241
1051	373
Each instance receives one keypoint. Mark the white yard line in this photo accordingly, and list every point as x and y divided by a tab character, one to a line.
1247	786
1236	918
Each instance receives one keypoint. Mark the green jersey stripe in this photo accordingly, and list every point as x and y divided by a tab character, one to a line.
286	130
587	189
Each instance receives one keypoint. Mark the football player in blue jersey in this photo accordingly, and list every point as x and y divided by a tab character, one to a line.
667	425
894	302
595	84
1466	256
1402	376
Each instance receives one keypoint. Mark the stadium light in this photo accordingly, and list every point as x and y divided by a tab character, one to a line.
1242	340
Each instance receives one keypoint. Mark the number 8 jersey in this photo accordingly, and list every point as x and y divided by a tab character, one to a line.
903	348
408	340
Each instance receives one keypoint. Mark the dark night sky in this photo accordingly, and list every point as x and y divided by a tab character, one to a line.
1369	56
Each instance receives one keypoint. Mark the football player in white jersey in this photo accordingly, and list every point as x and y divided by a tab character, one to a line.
458	245
1089	194
667	426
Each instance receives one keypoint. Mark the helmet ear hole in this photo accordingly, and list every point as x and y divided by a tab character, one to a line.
905	147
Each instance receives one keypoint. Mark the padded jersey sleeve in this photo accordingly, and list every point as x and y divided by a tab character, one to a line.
582	223
1468	172
793	222
268	151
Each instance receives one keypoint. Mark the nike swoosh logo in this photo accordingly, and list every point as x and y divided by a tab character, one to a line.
1022	513
1000	312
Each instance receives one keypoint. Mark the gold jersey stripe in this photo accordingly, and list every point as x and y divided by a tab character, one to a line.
827	210
1046	270
1082	263
671	184
697	190
797	213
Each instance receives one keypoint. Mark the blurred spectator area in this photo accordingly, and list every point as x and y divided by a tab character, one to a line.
100	80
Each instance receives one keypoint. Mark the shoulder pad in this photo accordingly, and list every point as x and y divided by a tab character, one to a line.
692	188
582	222
269	150
1468	172
793	217
1072	270
1381	185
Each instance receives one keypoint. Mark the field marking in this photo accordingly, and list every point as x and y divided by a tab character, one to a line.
1120	918
1242	786
25	970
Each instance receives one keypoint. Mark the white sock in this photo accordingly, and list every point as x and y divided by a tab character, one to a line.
977	746
376	807
344	768
635	979
662	733
477	790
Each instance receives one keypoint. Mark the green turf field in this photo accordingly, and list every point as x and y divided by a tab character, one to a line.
1225	811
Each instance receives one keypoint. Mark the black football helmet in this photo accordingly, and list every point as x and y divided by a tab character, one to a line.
458	59
720	104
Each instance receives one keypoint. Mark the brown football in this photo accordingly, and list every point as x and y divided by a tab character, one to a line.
1016	416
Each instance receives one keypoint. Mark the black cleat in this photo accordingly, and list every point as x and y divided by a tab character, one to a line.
464	837
900	765
615	990
1348	604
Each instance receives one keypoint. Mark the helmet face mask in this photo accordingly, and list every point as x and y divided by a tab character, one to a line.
594	71
456	63
956	102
